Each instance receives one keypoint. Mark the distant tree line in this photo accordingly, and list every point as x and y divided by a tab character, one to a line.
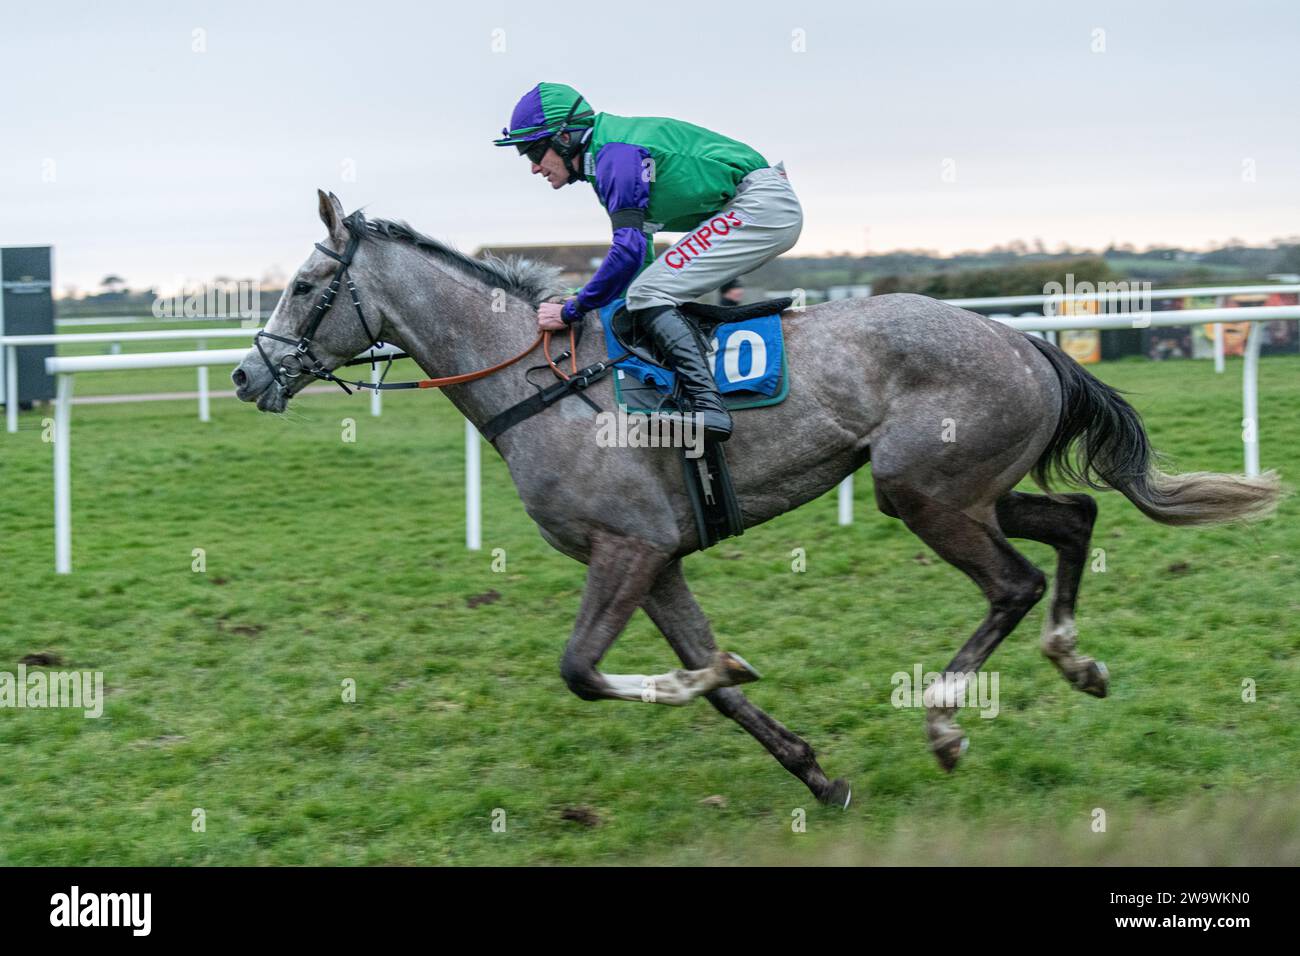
1019	269
1026	278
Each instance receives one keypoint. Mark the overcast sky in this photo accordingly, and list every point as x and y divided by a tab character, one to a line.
180	140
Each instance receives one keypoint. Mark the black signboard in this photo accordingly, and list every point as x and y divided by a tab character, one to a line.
27	308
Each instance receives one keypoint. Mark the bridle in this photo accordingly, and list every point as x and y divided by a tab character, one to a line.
301	359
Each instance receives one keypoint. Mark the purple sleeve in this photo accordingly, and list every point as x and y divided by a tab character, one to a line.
624	190
616	272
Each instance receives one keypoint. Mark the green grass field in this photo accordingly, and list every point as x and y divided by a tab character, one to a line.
329	561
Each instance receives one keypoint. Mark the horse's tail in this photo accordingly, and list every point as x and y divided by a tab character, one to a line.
1100	443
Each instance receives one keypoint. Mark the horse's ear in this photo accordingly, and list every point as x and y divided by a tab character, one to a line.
331	213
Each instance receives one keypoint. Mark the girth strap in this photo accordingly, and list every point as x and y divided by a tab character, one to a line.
547	397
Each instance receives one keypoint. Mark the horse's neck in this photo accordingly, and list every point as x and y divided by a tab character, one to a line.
456	331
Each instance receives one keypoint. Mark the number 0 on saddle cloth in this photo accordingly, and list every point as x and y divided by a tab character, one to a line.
748	366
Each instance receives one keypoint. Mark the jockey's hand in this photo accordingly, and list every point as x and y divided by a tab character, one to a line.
549	316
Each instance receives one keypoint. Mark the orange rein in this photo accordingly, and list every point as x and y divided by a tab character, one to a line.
543	338
573	356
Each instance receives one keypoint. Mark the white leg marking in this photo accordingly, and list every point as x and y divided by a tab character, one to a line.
1059	639
677	687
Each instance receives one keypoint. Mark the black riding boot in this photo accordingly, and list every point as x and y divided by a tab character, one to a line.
683	347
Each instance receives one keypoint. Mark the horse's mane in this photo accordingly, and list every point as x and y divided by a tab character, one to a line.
531	281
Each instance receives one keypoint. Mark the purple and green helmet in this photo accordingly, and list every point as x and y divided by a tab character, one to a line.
545	111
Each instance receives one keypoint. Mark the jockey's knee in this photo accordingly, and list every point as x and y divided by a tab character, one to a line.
580	677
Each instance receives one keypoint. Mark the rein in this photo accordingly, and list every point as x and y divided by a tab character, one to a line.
301	359
542	339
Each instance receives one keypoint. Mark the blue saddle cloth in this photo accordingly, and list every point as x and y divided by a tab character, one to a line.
748	362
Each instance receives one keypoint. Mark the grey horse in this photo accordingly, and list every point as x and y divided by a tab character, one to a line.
952	411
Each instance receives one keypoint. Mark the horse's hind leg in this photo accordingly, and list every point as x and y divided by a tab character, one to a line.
1010	583
1067	526
675	612
619	573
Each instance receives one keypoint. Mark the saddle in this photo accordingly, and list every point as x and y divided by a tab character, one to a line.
707	479
707	317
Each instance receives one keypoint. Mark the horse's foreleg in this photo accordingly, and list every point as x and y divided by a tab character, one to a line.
1067	527
675	612
619	573
679	687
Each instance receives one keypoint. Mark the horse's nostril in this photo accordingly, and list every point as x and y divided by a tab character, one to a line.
239	377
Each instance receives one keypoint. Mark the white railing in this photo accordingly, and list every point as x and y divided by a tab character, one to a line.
1112	295
12	343
80	321
64	367
200	336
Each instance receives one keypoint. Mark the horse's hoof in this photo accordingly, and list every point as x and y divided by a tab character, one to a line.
839	794
737	670
949	749
1094	680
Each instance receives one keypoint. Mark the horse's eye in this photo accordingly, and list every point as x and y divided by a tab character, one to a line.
301	288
